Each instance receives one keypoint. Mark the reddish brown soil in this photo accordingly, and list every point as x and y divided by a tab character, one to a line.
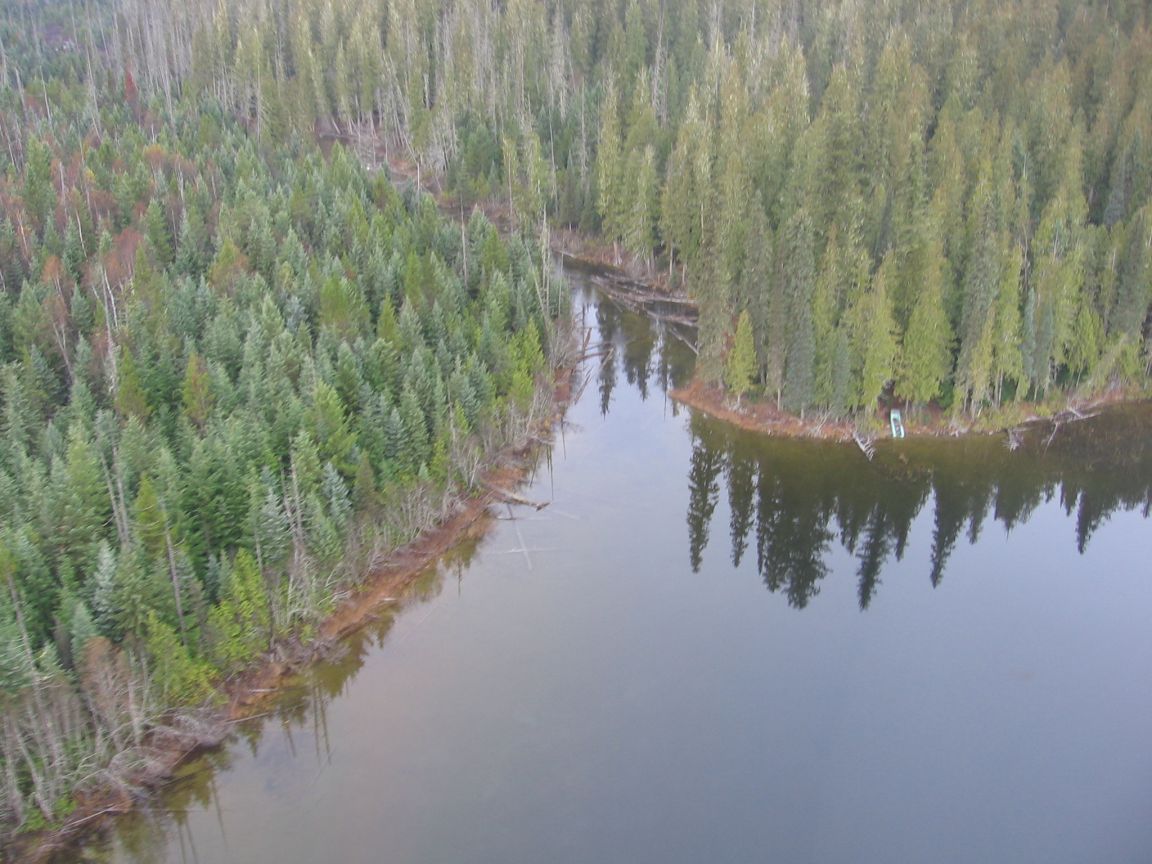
758	416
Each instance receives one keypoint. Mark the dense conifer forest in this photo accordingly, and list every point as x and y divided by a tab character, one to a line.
233	372
234	366
945	199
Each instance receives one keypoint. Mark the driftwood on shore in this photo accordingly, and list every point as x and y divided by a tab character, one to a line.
866	445
1071	414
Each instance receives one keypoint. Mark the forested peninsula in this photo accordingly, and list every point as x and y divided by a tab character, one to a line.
940	201
237	364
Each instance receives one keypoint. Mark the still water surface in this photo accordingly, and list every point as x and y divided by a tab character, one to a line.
719	647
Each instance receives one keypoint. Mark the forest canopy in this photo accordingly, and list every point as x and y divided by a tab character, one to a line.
947	200
235	360
233	372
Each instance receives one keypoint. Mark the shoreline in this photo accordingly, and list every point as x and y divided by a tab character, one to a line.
637	286
765	419
249	692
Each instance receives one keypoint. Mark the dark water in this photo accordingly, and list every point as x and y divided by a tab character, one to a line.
713	646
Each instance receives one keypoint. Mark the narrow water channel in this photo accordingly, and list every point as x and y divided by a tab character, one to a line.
713	646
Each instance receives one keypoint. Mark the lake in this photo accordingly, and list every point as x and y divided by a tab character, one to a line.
718	646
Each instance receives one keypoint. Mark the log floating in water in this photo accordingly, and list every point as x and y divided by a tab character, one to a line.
638	297
512	498
637	293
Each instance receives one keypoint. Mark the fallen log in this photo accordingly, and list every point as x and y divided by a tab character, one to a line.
865	444
506	497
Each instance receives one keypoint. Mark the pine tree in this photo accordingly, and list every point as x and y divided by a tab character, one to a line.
149	519
131	400
713	289
159	235
684	188
796	277
196	393
39	194
1132	246
82	510
874	335
926	352
331	429
640	231
799	377
981	281
842	279
734	194
740	369
179	678
1007	355
241	623
757	291
609	166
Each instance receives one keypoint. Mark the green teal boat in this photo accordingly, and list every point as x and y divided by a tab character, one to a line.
897	423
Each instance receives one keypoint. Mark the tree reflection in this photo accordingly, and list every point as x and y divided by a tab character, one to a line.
790	541
797	496
741	477
703	492
607	318
638	341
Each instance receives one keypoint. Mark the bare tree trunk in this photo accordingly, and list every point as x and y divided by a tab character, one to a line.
42	727
175	576
12	793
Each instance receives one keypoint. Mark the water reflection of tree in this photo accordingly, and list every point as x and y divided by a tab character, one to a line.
961	497
607	318
145	835
638	342
703	491
741	477
791	541
789	513
640	348
804	494
674	360
1114	462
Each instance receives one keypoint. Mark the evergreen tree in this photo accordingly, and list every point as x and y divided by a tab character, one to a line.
982	278
926	356
241	623
179	678
796	278
197	391
640	231
39	194
1008	358
740	369
682	203
610	166
874	335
